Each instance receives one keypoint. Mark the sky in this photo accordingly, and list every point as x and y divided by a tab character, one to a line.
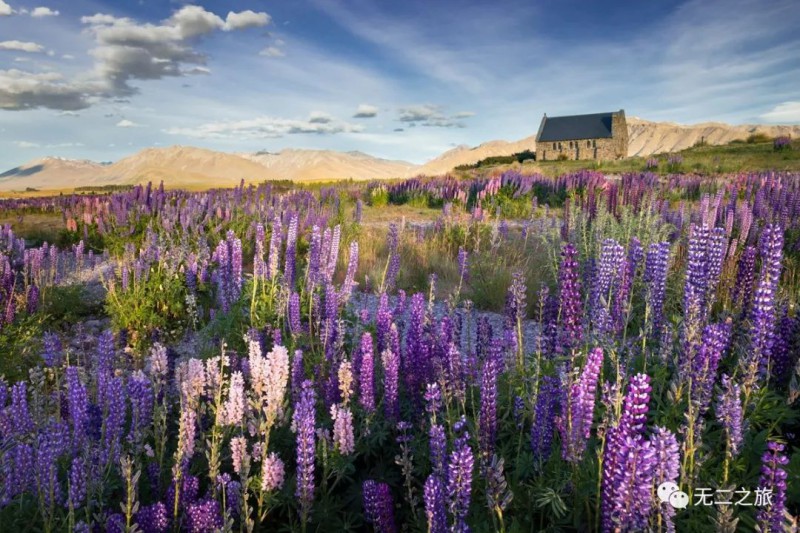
404	80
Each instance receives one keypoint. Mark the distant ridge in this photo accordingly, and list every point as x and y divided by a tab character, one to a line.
199	168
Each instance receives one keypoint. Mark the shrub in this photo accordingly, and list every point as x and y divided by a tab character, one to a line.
757	138
784	142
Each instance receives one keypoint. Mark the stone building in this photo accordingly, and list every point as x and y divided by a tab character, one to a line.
598	136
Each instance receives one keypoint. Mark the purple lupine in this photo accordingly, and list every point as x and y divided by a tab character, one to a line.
702	370
459	484
21	422
628	272
383	321
304	424
463	264
729	414
773	477
379	506
290	263
487	417
575	423
667	467
298	374
609	265
275	241
762	316
77	483
544	418
628	463
314	259
696	274
78	402
366	375
435	505
52	352
204	516
438	449
140	395
113	404
50	445
391	370
153	518
293	316
655	277
569	292
415	362
783	347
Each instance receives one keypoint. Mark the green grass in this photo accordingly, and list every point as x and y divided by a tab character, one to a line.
36	228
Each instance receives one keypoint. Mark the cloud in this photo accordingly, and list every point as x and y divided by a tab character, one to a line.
786	112
430	115
125	123
245	19
28	144
44	12
366	111
398	129
68	114
272	51
5	9
319	117
125	51
265	127
28	90
464	114
21	46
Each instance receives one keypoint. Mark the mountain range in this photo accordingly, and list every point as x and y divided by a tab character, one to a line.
199	168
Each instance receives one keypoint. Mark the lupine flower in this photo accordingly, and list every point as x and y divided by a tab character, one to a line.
434	505
544	417
52	352
239	455
773	477
77	483
459	485
391	369
628	463
433	399
729	414
140	395
655	277
703	371
291	253
234	407
667	467
153	518
349	279
78	401
304	420
366	378
608	272
570	304
343	437
259	265
314	258
274	248
272	473
487	418
438	449
294	314
463	264
204	516
379	506
575	424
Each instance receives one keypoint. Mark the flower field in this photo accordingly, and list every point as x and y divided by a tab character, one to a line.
543	354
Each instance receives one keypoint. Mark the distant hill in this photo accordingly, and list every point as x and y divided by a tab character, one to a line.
199	168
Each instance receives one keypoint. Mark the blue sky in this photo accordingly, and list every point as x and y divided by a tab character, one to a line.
405	80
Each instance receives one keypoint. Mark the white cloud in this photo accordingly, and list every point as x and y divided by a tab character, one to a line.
20	89
464	114
28	144
431	115
21	46
125	123
44	12
366	111
5	9
264	127
68	56
245	19
786	112
272	51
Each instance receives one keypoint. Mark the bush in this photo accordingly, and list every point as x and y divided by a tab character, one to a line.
757	138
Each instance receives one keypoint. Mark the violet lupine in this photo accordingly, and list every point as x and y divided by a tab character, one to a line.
290	263
762	316
77	483
113	404
52	351
459	484
655	277
463	264
612	255
696	274
667	468
259	265
153	518
773	477
275	241
304	425
729	414
366	375
787	332
379	506
435	505
391	371
628	463
575	423
544	417
702	370
293	315
393	260
140	395
570	304
204	516
487	417
438	449
78	402
628	273
314	259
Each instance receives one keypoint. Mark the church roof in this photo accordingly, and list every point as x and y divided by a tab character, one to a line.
594	126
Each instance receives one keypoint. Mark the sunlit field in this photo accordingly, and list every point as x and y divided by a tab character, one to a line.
506	352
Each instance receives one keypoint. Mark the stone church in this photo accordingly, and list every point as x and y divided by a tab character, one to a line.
600	136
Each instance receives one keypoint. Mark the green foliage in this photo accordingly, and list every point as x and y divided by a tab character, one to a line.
20	346
70	304
756	138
